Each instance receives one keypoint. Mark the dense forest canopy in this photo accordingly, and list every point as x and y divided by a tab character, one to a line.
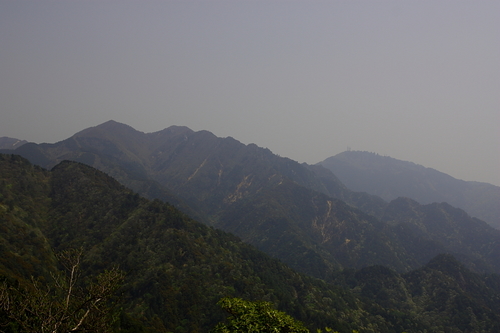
176	269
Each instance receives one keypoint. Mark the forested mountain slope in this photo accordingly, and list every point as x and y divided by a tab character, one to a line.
442	296
190	164
298	213
177	269
390	178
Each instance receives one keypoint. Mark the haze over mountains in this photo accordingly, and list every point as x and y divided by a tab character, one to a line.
390	178
177	268
298	213
303	215
224	205
10	143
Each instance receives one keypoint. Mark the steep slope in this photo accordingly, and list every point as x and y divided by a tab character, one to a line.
469	239
23	204
311	231
192	164
177	268
390	178
285	208
441	296
210	174
315	233
11	143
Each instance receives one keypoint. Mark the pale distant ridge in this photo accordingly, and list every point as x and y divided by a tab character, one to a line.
11	143
391	178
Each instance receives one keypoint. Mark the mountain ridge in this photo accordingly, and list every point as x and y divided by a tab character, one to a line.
250	191
186	265
177	268
11	143
391	178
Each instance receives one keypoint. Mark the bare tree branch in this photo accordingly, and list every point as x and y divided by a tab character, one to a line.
68	307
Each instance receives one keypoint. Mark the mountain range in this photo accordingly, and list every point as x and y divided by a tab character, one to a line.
298	213
390	178
11	143
177	268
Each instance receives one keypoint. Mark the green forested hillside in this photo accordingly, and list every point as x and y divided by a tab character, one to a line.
442	296
315	233
177	269
290	210
311	231
24	202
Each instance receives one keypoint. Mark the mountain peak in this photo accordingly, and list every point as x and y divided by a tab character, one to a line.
11	143
172	131
108	126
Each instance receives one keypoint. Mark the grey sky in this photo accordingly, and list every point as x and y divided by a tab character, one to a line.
415	80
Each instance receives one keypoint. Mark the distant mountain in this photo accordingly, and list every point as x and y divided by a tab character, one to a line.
390	178
11	143
177	268
298	213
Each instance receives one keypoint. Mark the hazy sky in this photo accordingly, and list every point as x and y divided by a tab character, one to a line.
415	80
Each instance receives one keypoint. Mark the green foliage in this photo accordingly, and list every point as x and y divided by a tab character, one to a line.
177	268
442	294
278	205
256	317
24	202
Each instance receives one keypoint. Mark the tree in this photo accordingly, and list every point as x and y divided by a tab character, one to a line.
256	317
67	305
